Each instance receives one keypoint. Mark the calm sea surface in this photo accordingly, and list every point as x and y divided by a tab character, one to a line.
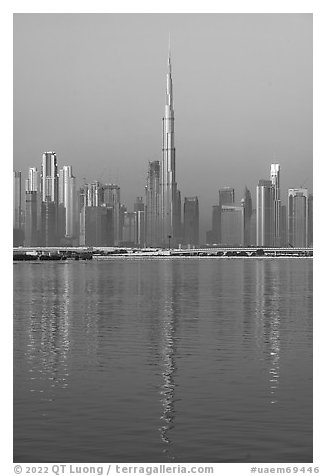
163	360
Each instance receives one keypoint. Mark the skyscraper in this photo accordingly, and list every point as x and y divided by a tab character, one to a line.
49	191
33	180
191	221
18	234
247	209
87	197
152	204
265	213
129	229
31	231
98	226
32	195
112	199
49	177
226	196
17	216
283	227
216	224
67	199
298	217
232	225
169	208
310	221
139	209
275	179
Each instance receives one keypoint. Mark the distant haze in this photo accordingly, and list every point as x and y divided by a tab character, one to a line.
92	88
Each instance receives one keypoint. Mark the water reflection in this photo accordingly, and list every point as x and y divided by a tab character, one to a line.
175	360
168	349
268	320
48	326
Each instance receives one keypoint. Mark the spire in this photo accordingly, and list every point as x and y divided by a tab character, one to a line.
169	55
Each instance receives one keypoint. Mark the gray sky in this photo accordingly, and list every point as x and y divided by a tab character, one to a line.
92	88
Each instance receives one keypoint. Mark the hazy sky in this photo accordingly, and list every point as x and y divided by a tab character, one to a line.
92	88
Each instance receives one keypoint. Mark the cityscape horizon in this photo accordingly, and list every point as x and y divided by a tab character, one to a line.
163	248
269	98
56	212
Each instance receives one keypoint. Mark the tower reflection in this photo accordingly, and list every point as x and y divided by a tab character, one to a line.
168	352
268	320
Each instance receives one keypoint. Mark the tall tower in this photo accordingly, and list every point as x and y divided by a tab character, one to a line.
49	177
17	178
67	199
49	206
169	208
298	217
275	179
33	207
191	221
265	213
112	199
18	229
152	201
247	209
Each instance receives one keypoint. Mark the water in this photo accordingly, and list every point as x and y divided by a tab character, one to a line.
163	360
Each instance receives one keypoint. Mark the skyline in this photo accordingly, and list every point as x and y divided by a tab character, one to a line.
83	136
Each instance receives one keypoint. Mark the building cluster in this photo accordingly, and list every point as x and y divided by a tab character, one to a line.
53	212
265	221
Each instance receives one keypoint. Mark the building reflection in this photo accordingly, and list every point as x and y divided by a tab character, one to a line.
268	320
48	327
179	296
168	353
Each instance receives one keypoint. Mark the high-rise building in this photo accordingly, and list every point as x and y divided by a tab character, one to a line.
129	230
17	217
253	228
33	184
191	221
275	179
95	194
67	200
99	226
216	224
152	201
169	207
265	213
139	205
139	209
226	196
283	227
112	199
232	225
298	217
49	177
178	224
31	222
82	204
247	212
49	193
18	234
310	221
49	230
90	195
